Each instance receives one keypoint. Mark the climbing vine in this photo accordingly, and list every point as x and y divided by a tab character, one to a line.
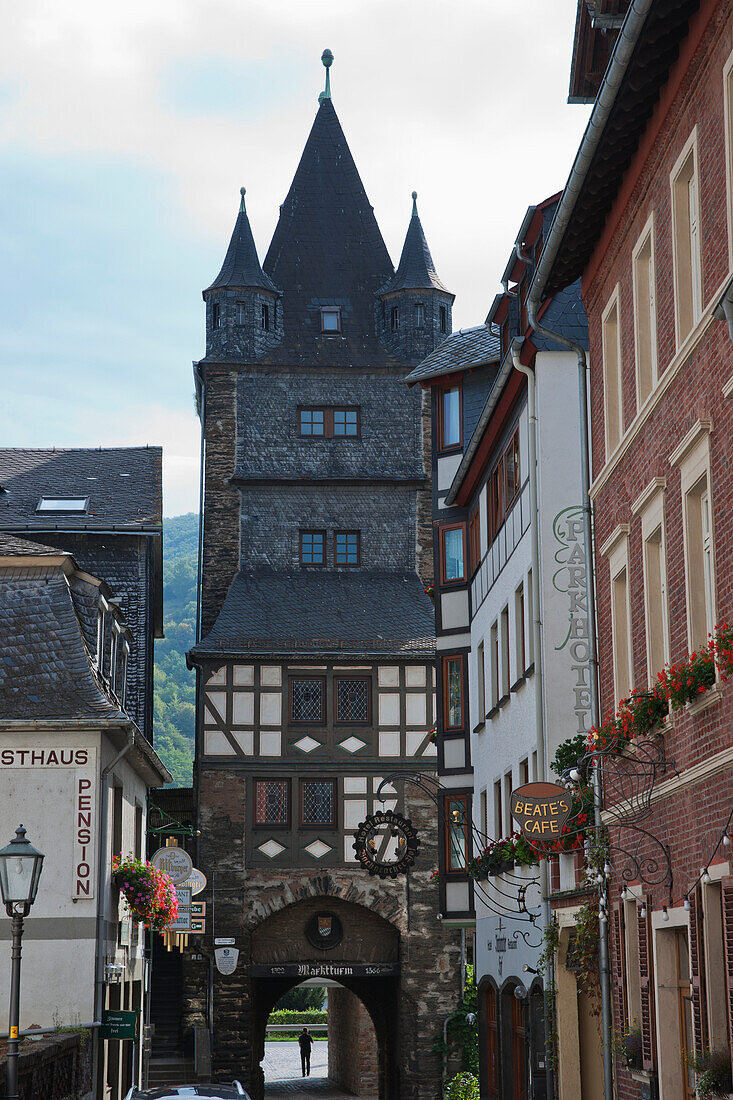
462	1036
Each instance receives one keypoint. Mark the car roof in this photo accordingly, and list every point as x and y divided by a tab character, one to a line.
172	1092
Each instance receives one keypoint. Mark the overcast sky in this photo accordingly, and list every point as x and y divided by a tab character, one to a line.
126	131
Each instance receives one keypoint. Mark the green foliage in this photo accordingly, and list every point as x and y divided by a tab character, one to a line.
569	753
462	1036
712	1072
301	998
464	1086
290	1016
174	690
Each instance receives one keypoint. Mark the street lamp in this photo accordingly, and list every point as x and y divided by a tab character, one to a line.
20	870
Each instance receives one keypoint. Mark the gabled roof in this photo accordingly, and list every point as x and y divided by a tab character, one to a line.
22	548
241	267
324	612
645	50
123	486
416	270
327	250
462	350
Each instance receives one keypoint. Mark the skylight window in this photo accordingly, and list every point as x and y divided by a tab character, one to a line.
63	504
331	319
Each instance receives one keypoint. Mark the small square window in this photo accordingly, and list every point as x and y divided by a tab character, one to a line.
318	802
265	317
272	802
312	421
346	547
216	315
394	319
353	698
312	547
241	313
331	320
306	700
419	315
443	319
346	422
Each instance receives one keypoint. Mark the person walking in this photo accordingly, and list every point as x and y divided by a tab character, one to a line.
305	1041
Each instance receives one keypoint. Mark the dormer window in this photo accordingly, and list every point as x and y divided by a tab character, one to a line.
63	504
394	320
216	315
331	319
419	315
265	317
101	617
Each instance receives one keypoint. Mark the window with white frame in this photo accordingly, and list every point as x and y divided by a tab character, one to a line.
650	506
616	549
480	682
645	314
687	261
693	459
504	683
612	388
519	630
495	681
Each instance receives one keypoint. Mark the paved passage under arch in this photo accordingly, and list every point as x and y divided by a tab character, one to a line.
281	1066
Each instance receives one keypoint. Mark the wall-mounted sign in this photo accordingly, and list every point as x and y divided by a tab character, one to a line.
226	959
196	881
117	1024
324	970
224	941
386	844
541	809
173	861
324	930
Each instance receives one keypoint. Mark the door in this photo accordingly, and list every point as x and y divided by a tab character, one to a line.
519	1050
492	1044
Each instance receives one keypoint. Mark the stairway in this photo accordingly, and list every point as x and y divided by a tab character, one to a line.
168	1064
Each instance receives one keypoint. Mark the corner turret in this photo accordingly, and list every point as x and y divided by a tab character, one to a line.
243	313
416	308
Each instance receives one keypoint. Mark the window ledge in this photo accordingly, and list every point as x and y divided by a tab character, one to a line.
529	670
479	727
504	700
710	698
493	712
518	683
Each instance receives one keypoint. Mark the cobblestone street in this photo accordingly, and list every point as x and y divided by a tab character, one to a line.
283	1074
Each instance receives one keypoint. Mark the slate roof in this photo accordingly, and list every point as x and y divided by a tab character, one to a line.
126	503
565	315
463	349
13	547
327	250
241	267
416	270
355	612
45	666
654	52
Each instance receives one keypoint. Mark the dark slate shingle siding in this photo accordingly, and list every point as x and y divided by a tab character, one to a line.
476	387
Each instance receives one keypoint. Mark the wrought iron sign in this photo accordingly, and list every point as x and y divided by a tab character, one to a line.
386	844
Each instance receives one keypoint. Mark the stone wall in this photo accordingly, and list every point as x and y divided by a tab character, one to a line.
55	1067
221	500
352	1045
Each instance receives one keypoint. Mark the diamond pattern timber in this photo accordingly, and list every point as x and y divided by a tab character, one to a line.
318	849
352	744
271	848
307	744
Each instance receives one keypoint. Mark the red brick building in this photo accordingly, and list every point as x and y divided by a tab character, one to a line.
647	220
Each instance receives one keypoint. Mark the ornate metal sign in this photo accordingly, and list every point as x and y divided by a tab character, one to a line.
386	844
541	810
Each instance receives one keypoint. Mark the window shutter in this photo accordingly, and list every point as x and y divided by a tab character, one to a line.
697	973
727	899
646	976
620	1007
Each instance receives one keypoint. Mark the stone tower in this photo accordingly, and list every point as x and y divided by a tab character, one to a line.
315	659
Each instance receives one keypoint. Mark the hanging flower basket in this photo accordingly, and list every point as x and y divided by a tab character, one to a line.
149	894
502	855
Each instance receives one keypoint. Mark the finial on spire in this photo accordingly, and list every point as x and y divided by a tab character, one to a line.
414	204
242	207
327	59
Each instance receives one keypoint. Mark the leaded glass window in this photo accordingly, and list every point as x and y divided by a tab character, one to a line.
306	700
352	700
317	802
456	831
453	692
272	802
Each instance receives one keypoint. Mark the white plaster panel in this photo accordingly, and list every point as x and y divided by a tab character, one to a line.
246	741
389	709
415	676
416	709
270	743
389	788
414	741
243	708
218	677
216	744
456	897
431	749
355	810
271	676
389	744
244	675
389	676
454	609
217	702
452	641
355	785
349	853
270	708
447	468
454	753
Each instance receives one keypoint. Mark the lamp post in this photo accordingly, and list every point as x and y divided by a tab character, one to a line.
20	870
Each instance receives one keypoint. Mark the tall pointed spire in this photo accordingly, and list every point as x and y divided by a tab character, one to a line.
241	267
416	270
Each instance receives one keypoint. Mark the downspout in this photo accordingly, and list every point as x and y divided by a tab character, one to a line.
101	882
548	983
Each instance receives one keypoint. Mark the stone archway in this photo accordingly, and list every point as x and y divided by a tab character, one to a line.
365	962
